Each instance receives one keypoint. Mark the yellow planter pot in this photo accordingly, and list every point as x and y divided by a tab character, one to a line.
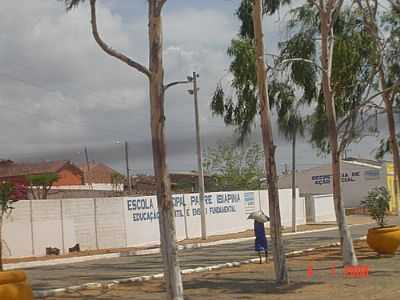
384	240
14	286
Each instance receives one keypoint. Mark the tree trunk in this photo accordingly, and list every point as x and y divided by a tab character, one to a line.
294	183
1	241
280	266
172	272
34	196
394	146
346	242
370	19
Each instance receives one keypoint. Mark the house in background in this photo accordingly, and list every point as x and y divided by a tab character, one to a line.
181	182
359	176
98	176
68	173
186	182
98	173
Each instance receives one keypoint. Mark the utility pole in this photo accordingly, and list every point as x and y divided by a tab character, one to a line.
199	157
126	151
127	167
88	177
193	92
294	183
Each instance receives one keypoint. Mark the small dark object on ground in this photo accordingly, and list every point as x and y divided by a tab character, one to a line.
52	251
75	248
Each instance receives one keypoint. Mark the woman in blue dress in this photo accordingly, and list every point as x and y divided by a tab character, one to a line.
261	244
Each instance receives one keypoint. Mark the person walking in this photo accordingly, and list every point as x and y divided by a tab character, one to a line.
261	244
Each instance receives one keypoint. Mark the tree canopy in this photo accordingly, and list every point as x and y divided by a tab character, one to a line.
234	168
241	109
41	184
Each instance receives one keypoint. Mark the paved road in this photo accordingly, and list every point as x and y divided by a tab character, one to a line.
115	268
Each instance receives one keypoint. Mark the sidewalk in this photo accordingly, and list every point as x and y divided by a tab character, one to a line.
315	275
83	256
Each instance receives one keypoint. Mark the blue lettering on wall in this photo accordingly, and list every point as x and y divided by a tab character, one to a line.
326	179
146	216
135	204
145	209
222	209
178	200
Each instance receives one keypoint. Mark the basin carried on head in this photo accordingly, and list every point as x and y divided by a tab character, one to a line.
14	286
384	240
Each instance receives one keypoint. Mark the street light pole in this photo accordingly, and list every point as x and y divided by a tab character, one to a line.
127	167
199	158
294	183
193	92
127	164
88	177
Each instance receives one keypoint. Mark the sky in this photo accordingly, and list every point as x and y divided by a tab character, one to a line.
60	93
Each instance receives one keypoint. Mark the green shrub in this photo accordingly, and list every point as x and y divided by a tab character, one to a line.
377	204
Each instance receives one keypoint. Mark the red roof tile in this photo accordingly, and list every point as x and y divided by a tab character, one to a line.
23	169
99	173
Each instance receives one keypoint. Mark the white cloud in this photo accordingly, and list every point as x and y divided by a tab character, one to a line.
59	91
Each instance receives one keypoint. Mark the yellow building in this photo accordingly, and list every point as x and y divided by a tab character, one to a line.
394	203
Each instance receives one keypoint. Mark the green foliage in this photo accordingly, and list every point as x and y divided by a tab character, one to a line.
303	73
6	192
234	168
41	184
242	109
287	106
384	147
245	11
351	70
377	204
117	178
46	179
390	25
70	4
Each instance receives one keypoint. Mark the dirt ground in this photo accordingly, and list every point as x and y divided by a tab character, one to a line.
318	275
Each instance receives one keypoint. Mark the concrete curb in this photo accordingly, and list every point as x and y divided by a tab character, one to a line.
71	260
111	283
59	261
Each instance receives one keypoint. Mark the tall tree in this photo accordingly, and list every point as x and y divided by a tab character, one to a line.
353	77
351	74
348	74
386	44
252	95
291	124
281	271
234	168
155	75
328	11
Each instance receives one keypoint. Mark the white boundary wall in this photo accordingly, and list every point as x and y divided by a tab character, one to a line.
87	187
130	221
324	208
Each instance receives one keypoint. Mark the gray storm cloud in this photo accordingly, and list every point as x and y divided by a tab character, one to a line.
59	92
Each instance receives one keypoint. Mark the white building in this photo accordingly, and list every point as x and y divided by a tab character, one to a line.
359	176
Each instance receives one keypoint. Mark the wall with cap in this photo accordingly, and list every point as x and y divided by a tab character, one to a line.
132	221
